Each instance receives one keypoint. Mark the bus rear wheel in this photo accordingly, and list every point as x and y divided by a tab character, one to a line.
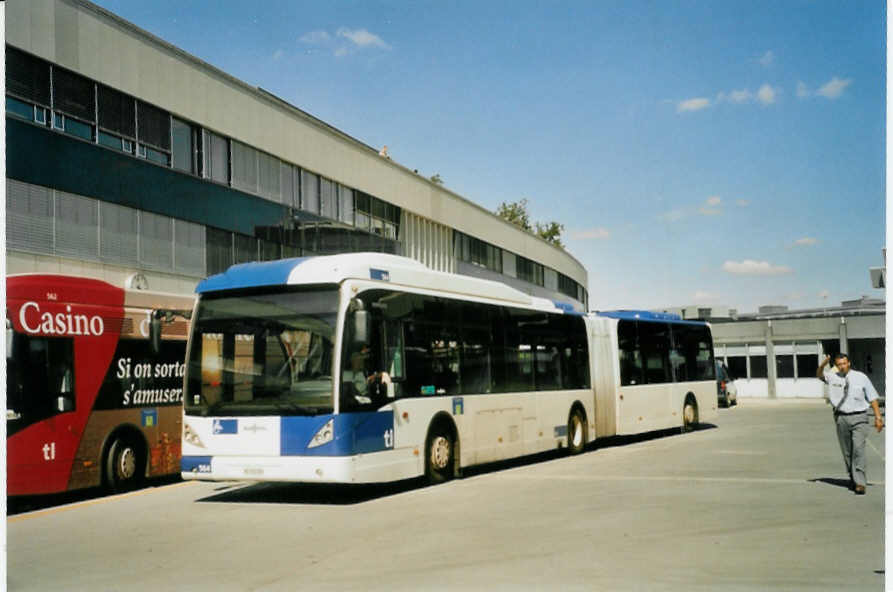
689	415
124	464
439	456
576	432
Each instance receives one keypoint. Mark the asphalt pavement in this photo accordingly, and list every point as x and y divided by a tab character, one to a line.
757	501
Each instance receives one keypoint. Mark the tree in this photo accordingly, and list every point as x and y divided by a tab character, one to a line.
516	213
550	232
435	178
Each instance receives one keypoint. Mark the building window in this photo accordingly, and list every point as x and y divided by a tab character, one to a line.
784	366
806	365
569	287
268	176
287	184
758	368
216	161
245	248
29	217
328	199
244	167
110	141
156	241
20	108
74	95
156	156
218	250
183	146
117	112
118	231
77	128
737	367
153	126
345	204
189	247
472	250
309	192
27	77
529	271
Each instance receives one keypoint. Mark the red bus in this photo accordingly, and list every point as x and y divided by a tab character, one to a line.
89	401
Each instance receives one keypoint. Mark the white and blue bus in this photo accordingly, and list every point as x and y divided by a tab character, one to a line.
370	368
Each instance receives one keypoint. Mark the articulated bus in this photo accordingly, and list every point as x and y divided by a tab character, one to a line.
88	401
371	368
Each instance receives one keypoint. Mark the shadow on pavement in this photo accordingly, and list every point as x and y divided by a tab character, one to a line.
845	483
30	503
348	494
309	493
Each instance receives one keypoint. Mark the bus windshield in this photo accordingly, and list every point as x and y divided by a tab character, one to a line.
263	353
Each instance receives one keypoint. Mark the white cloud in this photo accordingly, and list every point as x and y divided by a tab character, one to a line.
592	233
806	241
673	215
802	90
758	268
768	58
740	96
711	206
703	297
345	41
362	38
692	105
315	38
834	87
766	95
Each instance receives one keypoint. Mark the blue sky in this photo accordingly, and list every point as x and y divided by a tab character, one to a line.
726	153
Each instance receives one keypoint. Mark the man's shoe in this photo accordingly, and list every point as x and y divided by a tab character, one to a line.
860	490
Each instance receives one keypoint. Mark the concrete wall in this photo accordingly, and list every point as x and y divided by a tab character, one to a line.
862	337
100	45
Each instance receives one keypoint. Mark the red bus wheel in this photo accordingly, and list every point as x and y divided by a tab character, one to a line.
124	464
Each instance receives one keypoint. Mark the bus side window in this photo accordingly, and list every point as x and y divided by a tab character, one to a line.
630	356
393	331
40	378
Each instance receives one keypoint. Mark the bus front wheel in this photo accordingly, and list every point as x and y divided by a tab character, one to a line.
124	464
439	456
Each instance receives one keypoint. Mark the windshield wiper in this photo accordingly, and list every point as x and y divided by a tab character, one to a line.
295	409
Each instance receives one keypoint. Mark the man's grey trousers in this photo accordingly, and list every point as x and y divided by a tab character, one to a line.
852	432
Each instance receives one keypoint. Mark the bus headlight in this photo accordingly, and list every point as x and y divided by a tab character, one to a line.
325	434
191	437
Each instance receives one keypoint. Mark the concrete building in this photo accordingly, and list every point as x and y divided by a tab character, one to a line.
129	159
775	354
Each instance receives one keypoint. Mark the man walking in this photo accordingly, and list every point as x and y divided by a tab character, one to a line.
851	394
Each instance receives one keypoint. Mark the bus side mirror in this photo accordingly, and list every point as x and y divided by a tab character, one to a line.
10	334
64	404
360	327
155	331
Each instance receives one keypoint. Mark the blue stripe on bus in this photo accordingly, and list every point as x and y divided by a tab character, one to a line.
646	315
196	464
249	275
354	433
566	307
